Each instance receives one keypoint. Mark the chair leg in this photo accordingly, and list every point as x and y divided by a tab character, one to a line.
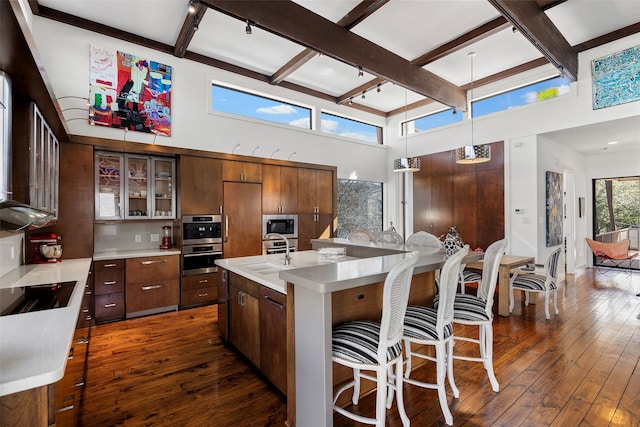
452	382
381	397
510	299
356	386
555	300
526	298
399	394
390	377
546	305
440	377
407	358
486	352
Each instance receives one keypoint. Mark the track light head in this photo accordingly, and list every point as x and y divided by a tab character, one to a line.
378	89
360	72
192	6
363	92
247	29
350	100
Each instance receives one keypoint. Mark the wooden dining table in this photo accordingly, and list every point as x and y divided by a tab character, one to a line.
506	264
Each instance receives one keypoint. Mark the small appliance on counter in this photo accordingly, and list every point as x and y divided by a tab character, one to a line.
166	238
45	248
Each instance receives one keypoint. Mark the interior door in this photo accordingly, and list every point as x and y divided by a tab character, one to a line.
242	219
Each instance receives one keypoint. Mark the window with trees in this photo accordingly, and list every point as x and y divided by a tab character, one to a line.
359	206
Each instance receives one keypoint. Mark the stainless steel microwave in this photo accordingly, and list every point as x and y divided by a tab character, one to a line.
286	225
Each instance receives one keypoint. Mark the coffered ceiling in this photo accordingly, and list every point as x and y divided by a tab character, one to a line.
317	46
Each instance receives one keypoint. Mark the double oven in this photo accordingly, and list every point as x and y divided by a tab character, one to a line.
201	243
284	225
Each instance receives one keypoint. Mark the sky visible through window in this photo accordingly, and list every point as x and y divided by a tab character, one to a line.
249	105
349	128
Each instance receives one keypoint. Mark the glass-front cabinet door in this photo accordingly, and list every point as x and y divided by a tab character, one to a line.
109	185
163	201
137	187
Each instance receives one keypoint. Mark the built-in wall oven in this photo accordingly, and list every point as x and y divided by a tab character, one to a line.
284	225
201	243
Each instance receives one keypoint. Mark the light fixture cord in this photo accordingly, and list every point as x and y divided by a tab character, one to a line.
406	125
471	55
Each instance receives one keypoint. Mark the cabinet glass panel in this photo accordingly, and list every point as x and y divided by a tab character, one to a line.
164	197
137	187
109	186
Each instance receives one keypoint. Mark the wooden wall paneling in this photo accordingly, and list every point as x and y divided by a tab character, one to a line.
465	206
422	196
442	163
75	203
441	204
491	200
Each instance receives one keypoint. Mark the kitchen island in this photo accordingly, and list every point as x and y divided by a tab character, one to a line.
320	295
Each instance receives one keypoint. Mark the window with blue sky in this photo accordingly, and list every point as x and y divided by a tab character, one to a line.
233	101
529	94
435	120
349	128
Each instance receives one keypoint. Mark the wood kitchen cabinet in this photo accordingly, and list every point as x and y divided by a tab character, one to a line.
198	290
200	185
109	287
242	219
244	318
313	226
153	285
273	337
315	191
279	189
233	170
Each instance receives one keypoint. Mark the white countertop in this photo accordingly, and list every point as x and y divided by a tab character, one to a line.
138	253
34	346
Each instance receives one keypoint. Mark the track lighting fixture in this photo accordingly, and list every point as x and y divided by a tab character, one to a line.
291	155
363	92
192	6
378	89
350	100
360	72
255	149
247	29
195	27
275	152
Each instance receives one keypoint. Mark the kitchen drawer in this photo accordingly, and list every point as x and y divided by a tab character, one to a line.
201	296
198	281
108	276
108	265
157	268
144	296
109	307
250	287
85	318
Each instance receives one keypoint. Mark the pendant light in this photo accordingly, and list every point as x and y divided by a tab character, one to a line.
406	163
471	154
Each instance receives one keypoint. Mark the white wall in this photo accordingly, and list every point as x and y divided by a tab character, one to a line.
65	53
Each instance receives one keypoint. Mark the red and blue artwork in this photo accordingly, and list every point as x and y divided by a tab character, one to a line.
129	92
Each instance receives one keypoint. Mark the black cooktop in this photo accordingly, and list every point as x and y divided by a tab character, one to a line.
25	299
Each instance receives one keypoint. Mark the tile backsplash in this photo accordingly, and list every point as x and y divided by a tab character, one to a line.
130	236
11	251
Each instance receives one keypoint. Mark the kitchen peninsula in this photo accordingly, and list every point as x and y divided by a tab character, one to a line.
321	294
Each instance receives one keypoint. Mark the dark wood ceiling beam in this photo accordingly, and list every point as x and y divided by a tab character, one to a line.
189	28
313	31
351	19
609	37
366	87
534	24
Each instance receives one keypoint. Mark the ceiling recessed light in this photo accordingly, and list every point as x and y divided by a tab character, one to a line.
612	142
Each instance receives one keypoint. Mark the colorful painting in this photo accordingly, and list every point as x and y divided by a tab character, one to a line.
616	78
554	208
129	92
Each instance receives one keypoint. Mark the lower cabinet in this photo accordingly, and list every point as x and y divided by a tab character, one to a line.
257	326
152	285
199	289
68	391
108	290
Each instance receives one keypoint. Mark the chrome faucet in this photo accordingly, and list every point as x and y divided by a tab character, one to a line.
287	257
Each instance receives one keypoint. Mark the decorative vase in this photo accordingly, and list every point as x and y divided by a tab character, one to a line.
452	242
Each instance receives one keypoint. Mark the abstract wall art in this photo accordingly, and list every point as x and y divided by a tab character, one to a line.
616	78
554	208
129	92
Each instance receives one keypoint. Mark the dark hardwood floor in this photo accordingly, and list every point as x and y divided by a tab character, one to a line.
578	368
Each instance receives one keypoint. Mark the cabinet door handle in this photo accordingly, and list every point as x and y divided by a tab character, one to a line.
206	294
113	304
203	281
151	287
224	276
109	265
110	282
71	351
226	228
274	302
157	261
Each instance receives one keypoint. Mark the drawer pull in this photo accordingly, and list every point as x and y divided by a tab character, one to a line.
71	351
152	287
206	294
88	318
113	304
203	281
109	265
158	261
110	282
274	302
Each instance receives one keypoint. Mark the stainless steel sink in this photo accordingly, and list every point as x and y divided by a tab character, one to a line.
264	267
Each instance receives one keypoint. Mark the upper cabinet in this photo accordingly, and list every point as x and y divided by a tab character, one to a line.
233	170
279	189
315	191
200	185
134	187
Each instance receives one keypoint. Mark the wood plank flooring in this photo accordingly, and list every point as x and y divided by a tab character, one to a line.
578	368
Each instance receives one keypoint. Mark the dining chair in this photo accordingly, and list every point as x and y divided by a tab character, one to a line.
361	235
427	326
424	239
388	236
477	310
370	346
544	282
